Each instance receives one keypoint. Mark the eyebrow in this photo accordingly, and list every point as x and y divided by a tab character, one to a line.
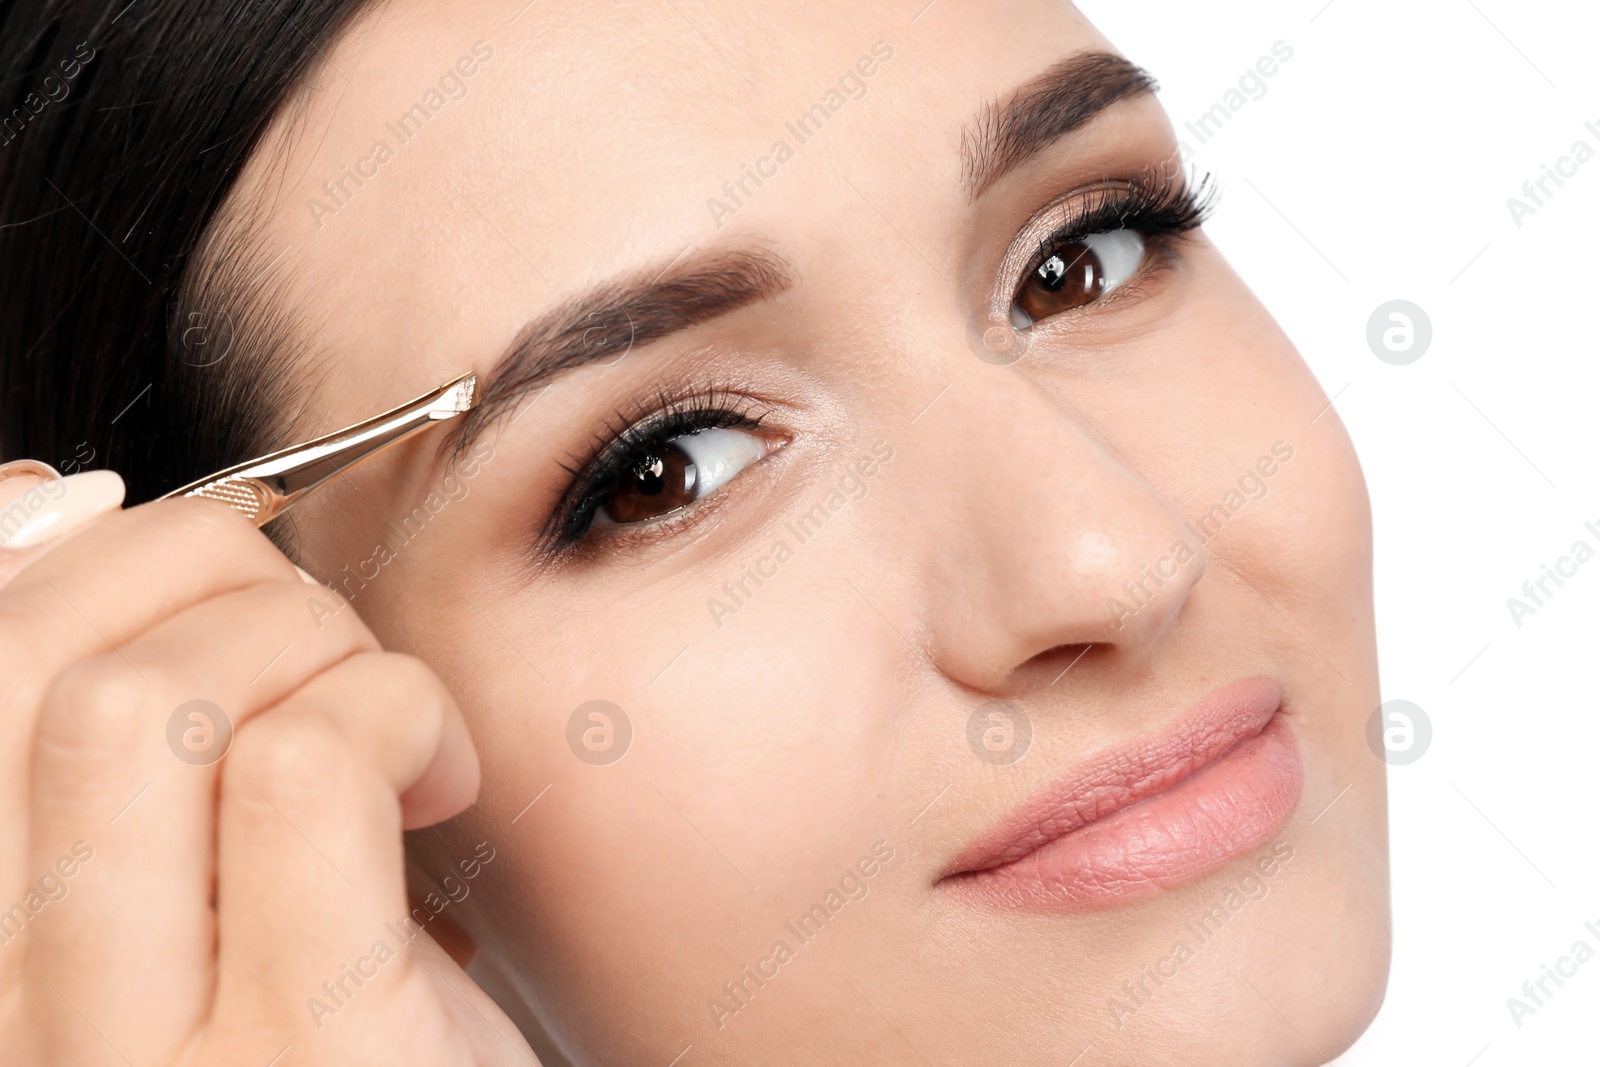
617	316
1041	111
613	318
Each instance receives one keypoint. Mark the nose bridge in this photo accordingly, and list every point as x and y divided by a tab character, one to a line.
1052	539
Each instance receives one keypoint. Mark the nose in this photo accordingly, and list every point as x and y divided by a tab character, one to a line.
1053	541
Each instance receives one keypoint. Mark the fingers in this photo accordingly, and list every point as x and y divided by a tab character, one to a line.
124	573
493	1040
112	580
203	890
311	882
19	502
38	506
90	594
112	769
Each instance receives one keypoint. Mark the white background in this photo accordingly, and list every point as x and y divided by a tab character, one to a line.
1385	152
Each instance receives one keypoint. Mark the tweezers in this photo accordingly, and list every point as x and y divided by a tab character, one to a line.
265	488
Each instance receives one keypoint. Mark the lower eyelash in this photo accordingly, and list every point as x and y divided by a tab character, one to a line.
1157	207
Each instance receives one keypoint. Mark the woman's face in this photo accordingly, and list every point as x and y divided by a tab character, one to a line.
948	637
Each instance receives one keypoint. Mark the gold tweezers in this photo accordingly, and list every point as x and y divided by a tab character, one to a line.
265	488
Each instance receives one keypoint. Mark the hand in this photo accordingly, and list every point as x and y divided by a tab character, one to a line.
166	910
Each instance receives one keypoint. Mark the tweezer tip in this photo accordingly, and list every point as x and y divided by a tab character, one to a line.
457	399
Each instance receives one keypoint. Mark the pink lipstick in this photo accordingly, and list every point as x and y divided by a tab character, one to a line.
1145	815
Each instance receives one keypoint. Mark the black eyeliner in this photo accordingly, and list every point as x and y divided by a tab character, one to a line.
629	440
1155	207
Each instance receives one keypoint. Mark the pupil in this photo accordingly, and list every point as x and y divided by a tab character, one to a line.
1053	273
1064	280
664	481
651	476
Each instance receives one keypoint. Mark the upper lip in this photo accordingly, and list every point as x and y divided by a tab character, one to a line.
1124	774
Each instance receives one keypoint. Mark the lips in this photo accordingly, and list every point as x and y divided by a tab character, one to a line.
1145	816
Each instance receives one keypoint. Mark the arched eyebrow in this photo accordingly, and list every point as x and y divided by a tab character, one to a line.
617	316
610	319
1006	134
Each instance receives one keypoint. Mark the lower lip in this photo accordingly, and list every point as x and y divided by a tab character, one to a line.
1227	809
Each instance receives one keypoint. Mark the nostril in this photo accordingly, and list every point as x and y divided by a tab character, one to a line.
1057	661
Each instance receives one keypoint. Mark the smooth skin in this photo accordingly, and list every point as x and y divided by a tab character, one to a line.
775	747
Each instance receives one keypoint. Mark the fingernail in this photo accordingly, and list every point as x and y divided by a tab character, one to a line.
27	467
305	576
21	475
18	486
55	508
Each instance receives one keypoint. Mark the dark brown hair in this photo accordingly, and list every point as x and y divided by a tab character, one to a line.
123	127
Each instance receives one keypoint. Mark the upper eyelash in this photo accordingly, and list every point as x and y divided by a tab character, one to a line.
626	440
1154	206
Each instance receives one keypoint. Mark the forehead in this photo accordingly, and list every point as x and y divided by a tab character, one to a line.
457	168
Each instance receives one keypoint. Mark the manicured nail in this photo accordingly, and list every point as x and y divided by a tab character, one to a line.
30	468
21	475
305	576
18	486
55	508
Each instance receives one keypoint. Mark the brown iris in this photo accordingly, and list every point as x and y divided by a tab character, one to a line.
1068	278
663	481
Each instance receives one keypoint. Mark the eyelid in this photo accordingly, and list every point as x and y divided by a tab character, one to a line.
664	415
677	526
717	462
1025	247
1064	217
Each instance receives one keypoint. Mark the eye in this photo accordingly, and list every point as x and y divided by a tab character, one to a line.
1075	273
1102	237
670	473
668	453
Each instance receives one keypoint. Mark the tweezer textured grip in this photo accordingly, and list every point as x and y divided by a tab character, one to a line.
263	488
241	494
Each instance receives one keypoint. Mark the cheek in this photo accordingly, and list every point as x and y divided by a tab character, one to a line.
1323	522
1305	547
1235	392
756	759
764	733
1311	535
